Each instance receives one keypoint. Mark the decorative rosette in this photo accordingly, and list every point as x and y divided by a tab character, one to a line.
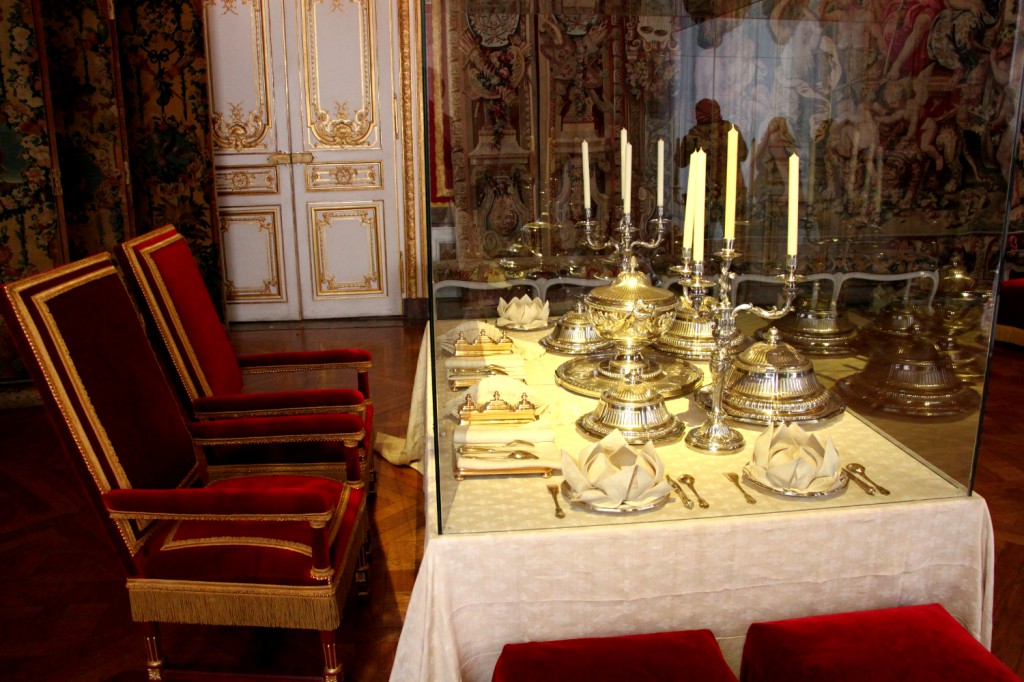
612	474
787	458
523	313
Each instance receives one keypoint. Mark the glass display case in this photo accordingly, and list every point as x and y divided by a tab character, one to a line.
750	247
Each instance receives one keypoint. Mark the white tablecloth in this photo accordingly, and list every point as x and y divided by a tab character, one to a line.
719	569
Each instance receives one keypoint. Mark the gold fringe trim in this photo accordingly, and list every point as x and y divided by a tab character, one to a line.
315	520
332	470
206	603
315	607
359	366
271	412
1008	334
350	439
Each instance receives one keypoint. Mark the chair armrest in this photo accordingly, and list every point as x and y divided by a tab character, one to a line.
283	498
312	401
298	361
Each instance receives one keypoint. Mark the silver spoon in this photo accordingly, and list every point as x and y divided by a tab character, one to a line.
735	478
500	454
859	470
690	480
553	489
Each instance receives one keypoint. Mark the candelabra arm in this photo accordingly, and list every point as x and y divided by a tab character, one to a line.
594	241
659	235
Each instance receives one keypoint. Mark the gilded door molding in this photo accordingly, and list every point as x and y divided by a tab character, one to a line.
247	121
253	236
346	241
340	112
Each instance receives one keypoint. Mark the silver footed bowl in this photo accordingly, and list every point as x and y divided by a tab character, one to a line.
772	380
909	377
630	312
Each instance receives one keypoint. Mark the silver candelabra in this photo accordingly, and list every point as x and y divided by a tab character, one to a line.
714	435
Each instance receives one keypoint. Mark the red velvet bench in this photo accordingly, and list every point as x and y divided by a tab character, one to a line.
687	656
906	644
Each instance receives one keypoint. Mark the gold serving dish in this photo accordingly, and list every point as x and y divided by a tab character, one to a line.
634	408
574	335
898	320
772	381
691	334
909	377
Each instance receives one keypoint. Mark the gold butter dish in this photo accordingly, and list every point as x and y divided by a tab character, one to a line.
483	344
497	411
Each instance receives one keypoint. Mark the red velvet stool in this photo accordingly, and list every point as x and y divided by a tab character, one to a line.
906	644
688	655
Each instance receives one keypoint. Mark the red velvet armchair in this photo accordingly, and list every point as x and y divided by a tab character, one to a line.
273	550
162	272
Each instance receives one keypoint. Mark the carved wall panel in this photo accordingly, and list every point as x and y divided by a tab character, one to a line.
248	180
343	176
340	112
347	242
255	272
243	113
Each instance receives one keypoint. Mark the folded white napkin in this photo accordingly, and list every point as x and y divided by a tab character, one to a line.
523	312
510	389
471	330
611	473
549	456
788	458
541	436
537	432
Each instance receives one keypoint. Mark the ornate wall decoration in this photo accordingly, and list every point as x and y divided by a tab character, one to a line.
340	123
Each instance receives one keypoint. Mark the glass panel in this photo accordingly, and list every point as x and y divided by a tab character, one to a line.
901	119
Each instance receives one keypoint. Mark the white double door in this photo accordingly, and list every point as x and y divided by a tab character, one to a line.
308	188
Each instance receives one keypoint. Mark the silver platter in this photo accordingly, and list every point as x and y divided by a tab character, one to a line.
505	324
674	378
559	347
826	406
838	488
624	508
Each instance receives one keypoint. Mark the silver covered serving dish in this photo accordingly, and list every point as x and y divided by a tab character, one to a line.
772	381
909	377
691	334
816	327
636	409
574	335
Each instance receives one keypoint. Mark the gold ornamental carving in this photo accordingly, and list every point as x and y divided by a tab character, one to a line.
342	124
367	219
248	180
322	177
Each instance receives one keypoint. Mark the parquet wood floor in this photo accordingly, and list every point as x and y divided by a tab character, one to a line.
65	612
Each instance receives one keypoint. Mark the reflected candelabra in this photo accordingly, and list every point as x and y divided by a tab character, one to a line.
714	435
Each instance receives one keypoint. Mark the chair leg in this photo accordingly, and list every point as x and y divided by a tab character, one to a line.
332	667
367	468
154	659
361	575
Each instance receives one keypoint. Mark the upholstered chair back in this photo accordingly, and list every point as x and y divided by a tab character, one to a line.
162	265
118	416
